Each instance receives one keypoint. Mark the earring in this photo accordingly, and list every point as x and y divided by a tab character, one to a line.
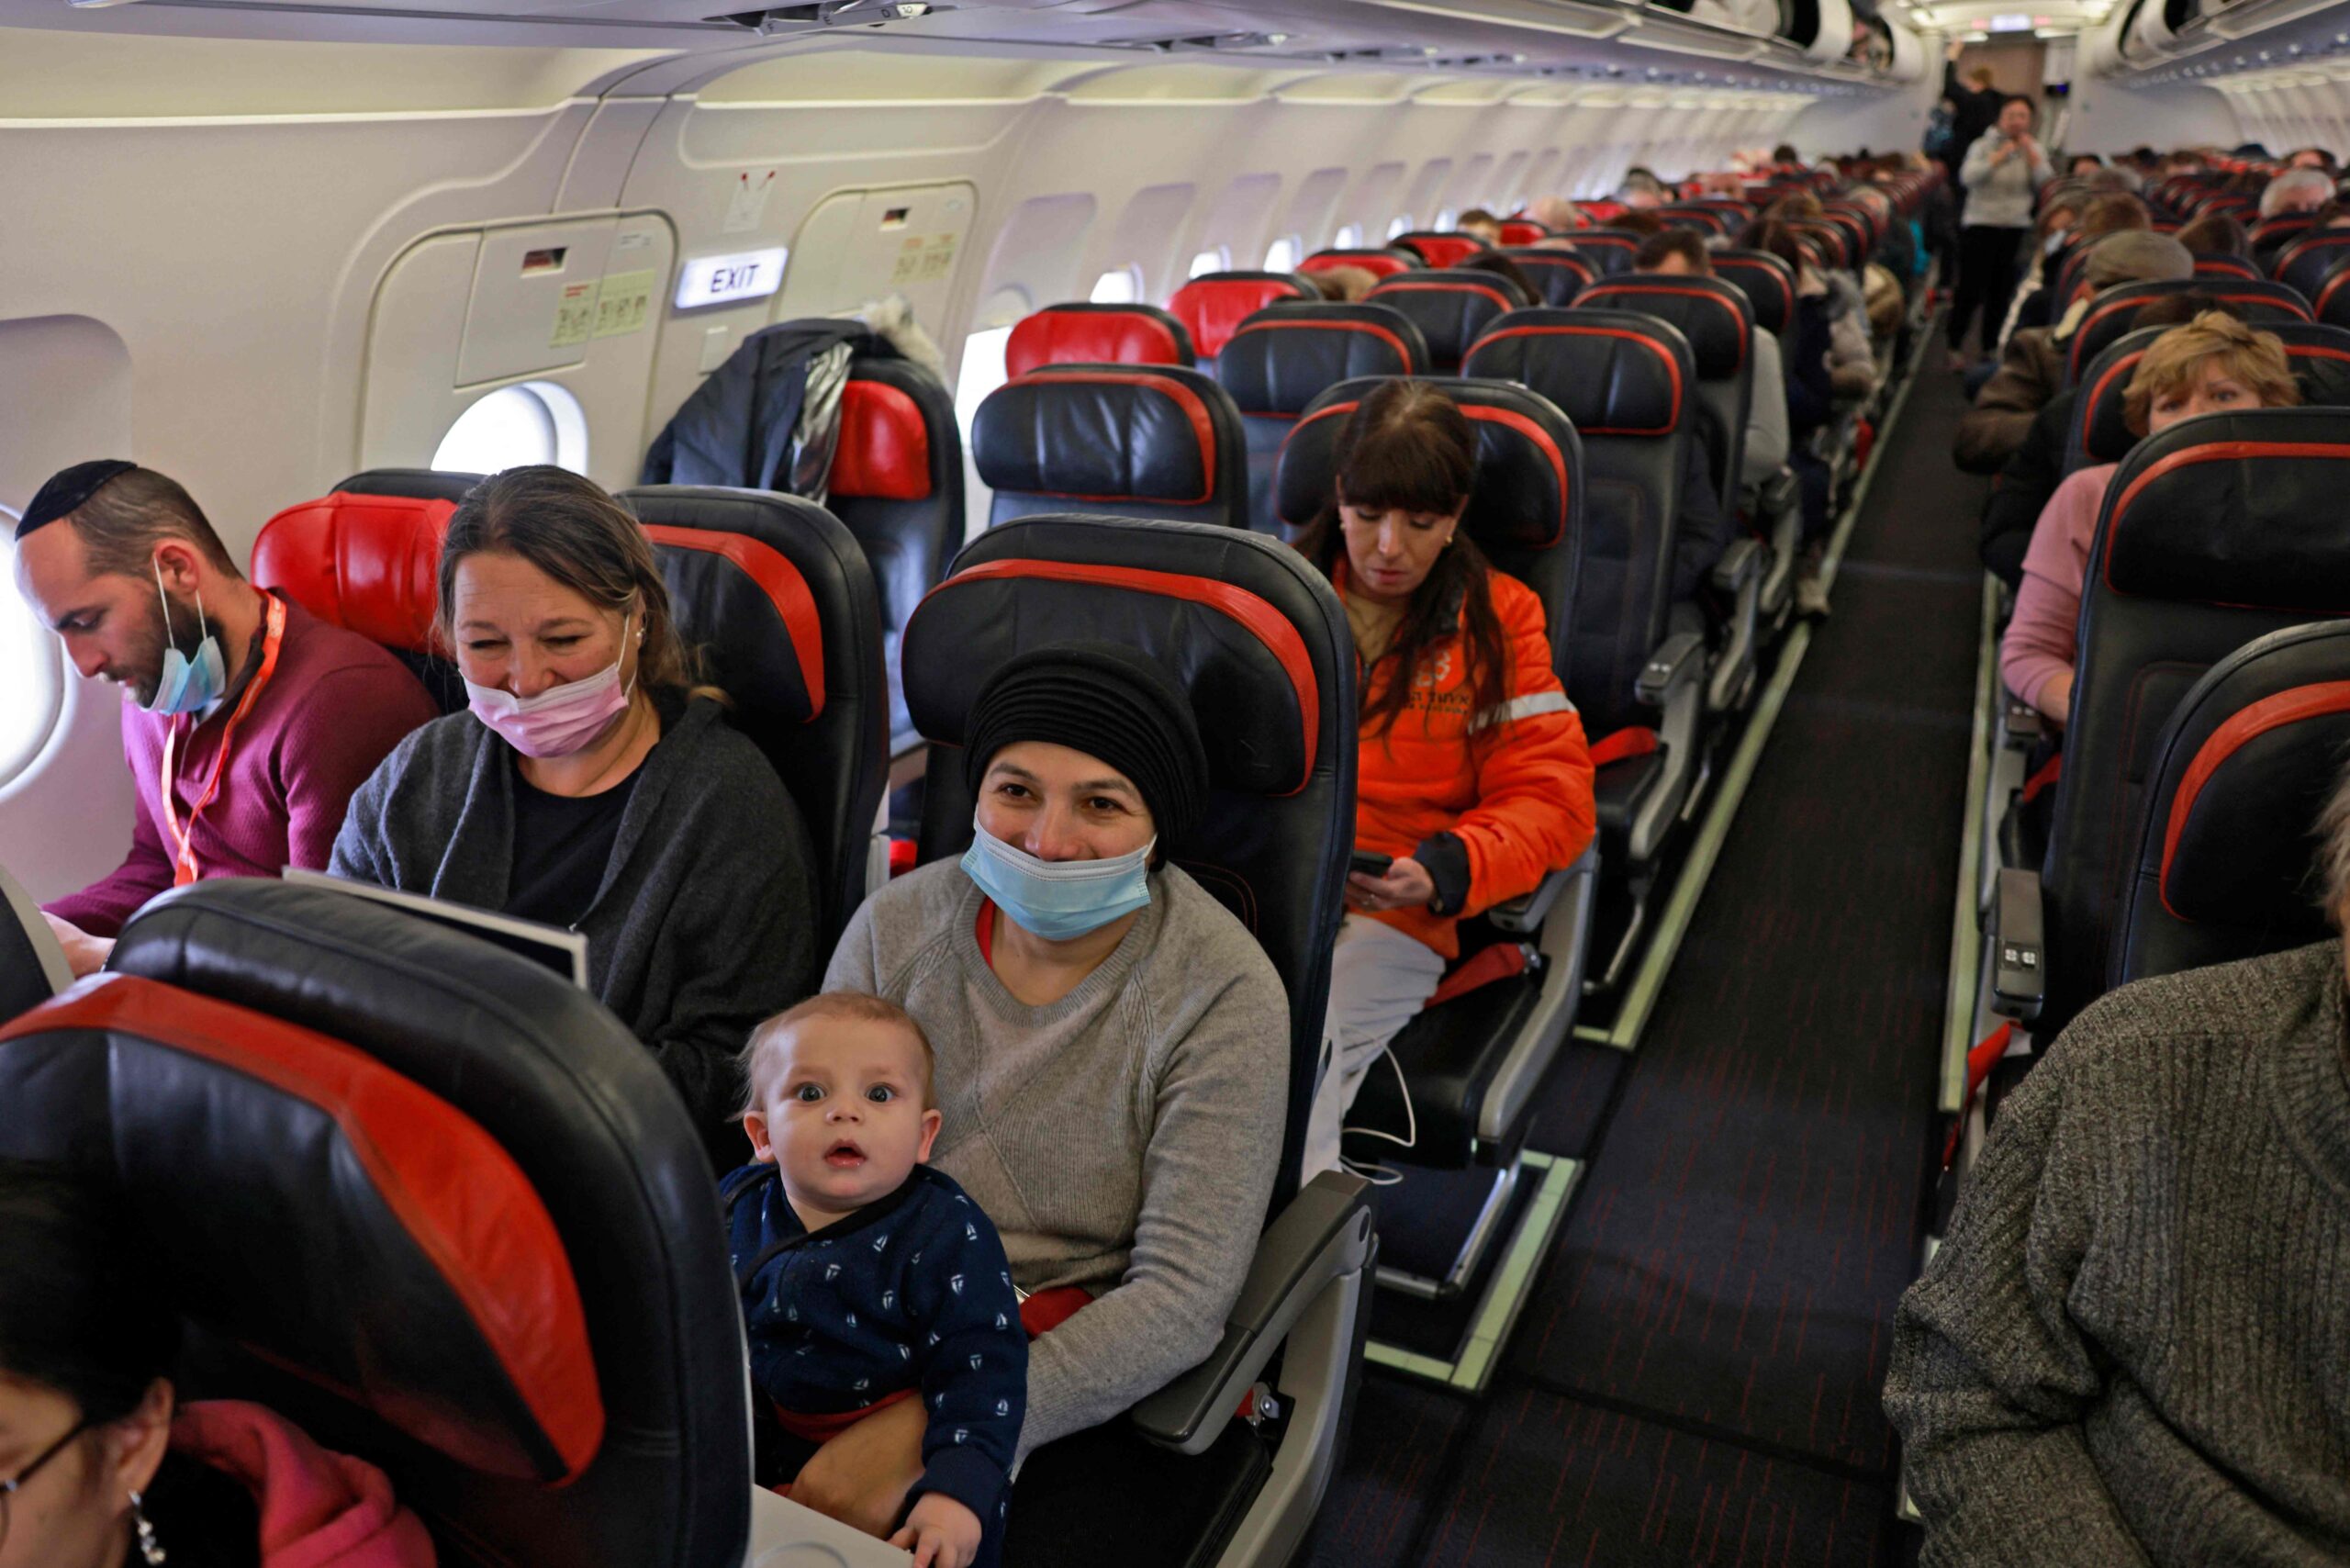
149	1549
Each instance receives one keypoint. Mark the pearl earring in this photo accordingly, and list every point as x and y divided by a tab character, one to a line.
149	1548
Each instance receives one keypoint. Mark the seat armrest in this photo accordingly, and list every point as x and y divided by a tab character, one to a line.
1739	564
1680	658
1324	1235
1780	491
1524	915
2019	952
2020	726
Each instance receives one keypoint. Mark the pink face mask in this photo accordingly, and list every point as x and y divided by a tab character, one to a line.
559	721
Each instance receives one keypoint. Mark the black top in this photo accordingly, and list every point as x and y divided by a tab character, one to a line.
562	844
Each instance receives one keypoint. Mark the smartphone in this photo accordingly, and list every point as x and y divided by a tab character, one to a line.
1364	863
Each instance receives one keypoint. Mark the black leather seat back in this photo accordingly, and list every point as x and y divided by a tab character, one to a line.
1096	334
897	486
1440	247
1628	384
2302	265
1285	356
425	1199
2229	864
1559	274
2332	302
1525	512
1768	282
1610	250
775	594
2223	264
1452	308
2115	311
32	965
1715	319
1124	440
2214	531
2100	430
1258	639
1707	220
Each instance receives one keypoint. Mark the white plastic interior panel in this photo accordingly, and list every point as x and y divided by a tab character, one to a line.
863	245
534	299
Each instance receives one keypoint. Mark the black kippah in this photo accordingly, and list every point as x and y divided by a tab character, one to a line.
67	489
1105	701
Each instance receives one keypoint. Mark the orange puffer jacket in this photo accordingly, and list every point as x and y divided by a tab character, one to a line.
1512	790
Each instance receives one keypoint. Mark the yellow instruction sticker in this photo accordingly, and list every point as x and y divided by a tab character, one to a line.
575	314
625	304
924	258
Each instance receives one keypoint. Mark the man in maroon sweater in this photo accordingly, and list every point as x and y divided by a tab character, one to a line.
249	721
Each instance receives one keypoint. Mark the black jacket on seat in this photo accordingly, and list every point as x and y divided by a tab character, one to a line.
739	425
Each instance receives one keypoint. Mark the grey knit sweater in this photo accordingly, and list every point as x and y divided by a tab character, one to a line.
2134	1347
1122	1139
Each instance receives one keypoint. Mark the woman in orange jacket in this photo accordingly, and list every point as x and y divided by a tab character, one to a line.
1472	771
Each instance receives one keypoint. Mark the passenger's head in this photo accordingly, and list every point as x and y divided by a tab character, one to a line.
1638	223
123	565
2216	234
2060	216
2296	190
2015	118
1770	235
2134	256
1082	751
2311	158
1796	206
1555	212
1640	188
2114	214
2178	310
1785	156
1673	252
2214	364
841	1100
88	1336
546	580
1499	265
1981	78
1343	284
1480	223
2084	163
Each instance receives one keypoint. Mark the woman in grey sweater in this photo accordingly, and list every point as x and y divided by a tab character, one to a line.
593	785
1111	1045
2135	1346
2003	171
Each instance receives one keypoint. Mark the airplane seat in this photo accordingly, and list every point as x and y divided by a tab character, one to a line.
1560	274
2302	265
1517	231
776	596
1710	221
1213	305
1609	251
2099	429
2270	236
1626	382
2242	770
1833	242
425	1199
1260	642
1713	315
1450	308
1096	334
2115	311
1472	1061
1768	282
1124	440
1285	356
2214	531
1380	261
2332	298
32	964
2223	265
1440	248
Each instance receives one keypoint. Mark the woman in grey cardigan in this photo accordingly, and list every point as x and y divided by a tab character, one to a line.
592	786
2003	171
1112	1046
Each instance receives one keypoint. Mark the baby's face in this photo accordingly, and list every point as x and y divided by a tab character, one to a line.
843	1118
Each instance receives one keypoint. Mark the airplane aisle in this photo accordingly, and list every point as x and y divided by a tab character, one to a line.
1697	1377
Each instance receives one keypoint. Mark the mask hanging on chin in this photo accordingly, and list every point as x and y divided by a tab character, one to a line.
560	721
1057	900
187	685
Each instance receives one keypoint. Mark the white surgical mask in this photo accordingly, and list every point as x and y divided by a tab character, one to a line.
1057	899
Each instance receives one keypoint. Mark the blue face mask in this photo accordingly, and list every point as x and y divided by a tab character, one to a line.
1057	899
187	686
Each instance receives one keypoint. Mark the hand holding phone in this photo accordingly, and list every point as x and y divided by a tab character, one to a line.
1362	863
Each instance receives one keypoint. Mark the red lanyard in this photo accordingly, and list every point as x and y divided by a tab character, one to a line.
182	842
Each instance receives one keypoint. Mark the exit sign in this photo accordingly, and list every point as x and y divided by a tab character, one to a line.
718	280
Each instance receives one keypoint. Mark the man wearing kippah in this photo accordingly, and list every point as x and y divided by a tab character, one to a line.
249	722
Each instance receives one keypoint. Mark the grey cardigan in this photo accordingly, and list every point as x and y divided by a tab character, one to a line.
705	922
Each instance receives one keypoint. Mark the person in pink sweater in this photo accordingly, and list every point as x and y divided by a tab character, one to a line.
2213	365
248	723
100	1467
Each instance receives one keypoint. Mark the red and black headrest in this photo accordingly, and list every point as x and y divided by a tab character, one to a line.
885	439
2236	509
1159	438
2221	264
1768	282
1450	307
1833	242
1705	220
421	1196
365	558
2227	868
1380	261
2100	430
1213	306
2303	263
1096	334
1712	314
1440	248
1614	372
1517	231
1284	357
1558	275
2115	311
2332	299
1610	249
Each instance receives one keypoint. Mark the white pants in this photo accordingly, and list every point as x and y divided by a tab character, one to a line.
1380	979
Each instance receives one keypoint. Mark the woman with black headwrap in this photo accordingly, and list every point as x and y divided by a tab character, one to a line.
1111	1045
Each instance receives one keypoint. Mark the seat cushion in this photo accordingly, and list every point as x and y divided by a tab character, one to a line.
1450	1055
1112	1496
1620	788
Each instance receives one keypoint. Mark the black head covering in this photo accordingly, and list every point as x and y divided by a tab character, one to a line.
1108	701
67	489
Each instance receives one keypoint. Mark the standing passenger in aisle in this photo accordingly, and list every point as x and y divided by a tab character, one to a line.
2003	170
249	721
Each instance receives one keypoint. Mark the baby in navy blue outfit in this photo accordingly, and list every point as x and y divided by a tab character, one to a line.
868	1276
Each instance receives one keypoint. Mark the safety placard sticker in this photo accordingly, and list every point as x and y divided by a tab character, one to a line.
747	202
575	314
924	258
626	304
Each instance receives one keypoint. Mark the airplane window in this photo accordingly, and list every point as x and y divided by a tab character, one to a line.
1350	238
37	698
514	426
1119	285
1447	218
981	374
1401	225
1217	260
1282	254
